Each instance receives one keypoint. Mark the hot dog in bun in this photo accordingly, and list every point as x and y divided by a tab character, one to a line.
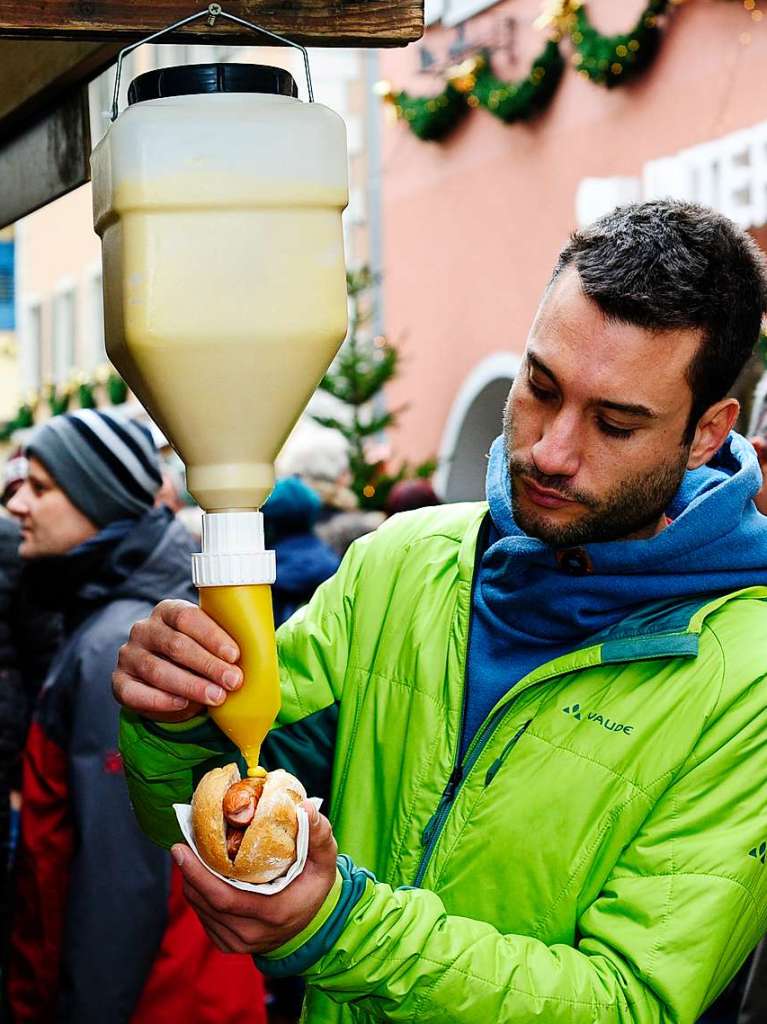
246	828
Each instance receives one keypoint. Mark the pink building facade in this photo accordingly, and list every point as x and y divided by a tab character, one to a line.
472	225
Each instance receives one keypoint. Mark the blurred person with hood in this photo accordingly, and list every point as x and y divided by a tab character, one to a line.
320	457
341	531
102	932
408	495
303	560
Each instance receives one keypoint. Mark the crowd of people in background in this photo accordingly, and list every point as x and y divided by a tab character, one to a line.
98	527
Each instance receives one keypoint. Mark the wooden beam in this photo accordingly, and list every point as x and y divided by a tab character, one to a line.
47	158
33	75
310	22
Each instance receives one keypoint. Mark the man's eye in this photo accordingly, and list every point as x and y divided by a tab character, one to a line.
613	431
542	394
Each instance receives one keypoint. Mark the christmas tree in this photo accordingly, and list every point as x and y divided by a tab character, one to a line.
357	378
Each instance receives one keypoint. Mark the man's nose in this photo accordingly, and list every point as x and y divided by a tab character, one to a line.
557	452
18	504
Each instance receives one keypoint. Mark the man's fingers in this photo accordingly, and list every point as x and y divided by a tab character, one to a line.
148	701
155	672
322	843
155	636
175	662
206	891
189	619
212	896
224	938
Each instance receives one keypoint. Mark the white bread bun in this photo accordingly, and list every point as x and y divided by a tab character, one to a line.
268	846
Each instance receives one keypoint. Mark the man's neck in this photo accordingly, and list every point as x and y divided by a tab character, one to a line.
650	531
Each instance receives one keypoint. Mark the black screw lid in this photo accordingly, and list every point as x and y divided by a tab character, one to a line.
190	79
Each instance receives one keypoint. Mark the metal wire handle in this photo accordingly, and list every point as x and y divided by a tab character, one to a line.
211	12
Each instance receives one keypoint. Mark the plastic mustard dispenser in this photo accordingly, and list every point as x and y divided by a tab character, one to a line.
218	198
234	574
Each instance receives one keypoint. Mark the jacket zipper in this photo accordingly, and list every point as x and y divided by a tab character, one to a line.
434	826
495	766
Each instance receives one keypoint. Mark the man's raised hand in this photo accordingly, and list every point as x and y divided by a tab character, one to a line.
176	662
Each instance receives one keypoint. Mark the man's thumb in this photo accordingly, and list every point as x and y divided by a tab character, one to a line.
321	839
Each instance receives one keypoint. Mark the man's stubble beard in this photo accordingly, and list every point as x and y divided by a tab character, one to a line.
633	507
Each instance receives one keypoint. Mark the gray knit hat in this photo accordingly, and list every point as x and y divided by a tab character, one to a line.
107	467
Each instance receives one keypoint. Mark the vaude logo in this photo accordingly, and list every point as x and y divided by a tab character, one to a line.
593	716
759	852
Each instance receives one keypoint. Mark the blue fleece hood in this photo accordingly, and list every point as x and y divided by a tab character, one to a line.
716	543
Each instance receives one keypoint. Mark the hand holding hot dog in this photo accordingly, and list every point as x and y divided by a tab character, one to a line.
248	922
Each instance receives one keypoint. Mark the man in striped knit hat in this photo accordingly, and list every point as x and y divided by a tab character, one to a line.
102	932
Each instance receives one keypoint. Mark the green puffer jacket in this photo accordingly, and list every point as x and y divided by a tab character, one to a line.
599	857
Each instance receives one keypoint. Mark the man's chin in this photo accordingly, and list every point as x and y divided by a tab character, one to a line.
556	535
552	526
28	549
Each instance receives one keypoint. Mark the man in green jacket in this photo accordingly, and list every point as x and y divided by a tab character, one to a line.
540	723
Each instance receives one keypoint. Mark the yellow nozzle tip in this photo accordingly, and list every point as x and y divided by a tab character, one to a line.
257	773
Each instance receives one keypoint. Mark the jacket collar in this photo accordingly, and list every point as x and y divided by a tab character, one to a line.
661	629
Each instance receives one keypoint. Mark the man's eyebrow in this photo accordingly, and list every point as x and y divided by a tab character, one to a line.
539	365
629	408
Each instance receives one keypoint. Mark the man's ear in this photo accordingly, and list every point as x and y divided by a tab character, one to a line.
712	430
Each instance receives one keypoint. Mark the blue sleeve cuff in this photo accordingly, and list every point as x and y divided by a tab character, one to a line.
354	881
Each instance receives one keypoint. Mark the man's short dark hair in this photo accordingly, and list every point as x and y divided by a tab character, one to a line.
666	265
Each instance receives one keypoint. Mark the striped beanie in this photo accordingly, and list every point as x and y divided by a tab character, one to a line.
108	467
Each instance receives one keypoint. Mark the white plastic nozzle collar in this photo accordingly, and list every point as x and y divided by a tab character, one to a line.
233	551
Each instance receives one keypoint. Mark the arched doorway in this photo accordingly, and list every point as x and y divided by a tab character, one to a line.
473	423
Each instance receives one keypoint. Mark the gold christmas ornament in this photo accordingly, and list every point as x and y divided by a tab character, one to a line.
384	90
558	16
463	77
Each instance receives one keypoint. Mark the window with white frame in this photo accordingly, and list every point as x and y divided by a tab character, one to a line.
63	333
96	353
432	11
456	11
32	346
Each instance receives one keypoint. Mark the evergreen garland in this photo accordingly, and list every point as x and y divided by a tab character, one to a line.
59	399
85	395
117	389
608	60
431	118
522	100
473	84
615	60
